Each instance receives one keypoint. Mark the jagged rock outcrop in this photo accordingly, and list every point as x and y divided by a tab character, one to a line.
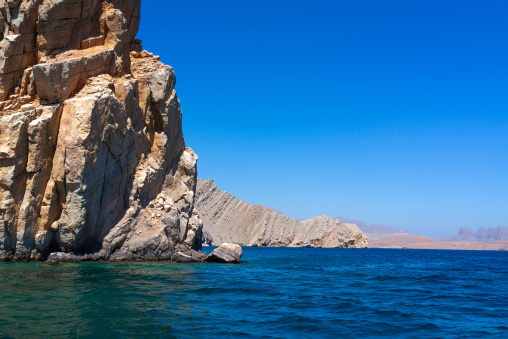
93	163
227	219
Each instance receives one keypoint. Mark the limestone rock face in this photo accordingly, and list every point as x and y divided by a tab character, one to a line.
94	165
228	219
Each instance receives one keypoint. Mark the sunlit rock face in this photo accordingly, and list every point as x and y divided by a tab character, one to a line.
93	158
228	219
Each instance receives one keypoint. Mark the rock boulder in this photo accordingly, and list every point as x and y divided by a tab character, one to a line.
226	253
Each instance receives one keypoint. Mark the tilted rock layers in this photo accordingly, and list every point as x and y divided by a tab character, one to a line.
93	159
228	219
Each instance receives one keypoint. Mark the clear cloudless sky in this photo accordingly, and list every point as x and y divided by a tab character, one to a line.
392	112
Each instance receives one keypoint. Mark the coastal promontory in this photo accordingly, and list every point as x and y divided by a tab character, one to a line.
229	219
93	159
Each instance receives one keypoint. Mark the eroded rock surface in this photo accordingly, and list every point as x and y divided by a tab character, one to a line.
227	219
93	162
226	253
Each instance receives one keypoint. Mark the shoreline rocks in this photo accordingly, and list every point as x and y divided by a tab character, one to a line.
225	253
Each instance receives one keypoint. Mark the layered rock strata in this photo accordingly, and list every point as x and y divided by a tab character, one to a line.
93	163
228	219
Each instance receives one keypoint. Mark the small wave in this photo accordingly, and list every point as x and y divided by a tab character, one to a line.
279	294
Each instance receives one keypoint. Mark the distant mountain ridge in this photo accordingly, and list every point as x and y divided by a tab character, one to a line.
373	229
228	219
483	234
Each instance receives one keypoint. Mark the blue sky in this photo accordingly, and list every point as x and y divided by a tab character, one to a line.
392	112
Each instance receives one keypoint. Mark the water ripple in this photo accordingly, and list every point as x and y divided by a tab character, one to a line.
279	293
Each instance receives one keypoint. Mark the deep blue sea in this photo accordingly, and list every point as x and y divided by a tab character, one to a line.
278	293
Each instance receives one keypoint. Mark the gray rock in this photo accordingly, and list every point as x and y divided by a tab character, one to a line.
189	256
226	253
227	219
60	257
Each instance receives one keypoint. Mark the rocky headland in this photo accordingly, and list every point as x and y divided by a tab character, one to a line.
94	164
228	219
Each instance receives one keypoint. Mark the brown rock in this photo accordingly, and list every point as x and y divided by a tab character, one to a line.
87	145
56	81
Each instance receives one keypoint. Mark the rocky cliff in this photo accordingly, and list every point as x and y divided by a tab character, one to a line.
228	219
93	159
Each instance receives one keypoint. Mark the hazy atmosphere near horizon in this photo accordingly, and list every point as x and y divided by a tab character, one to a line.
390	112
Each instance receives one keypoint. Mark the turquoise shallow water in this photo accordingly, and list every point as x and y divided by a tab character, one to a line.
278	293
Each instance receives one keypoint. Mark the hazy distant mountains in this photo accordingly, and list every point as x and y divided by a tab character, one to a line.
491	234
374	229
382	236
465	234
228	219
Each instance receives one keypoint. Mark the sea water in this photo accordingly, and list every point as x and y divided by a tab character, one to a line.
278	293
